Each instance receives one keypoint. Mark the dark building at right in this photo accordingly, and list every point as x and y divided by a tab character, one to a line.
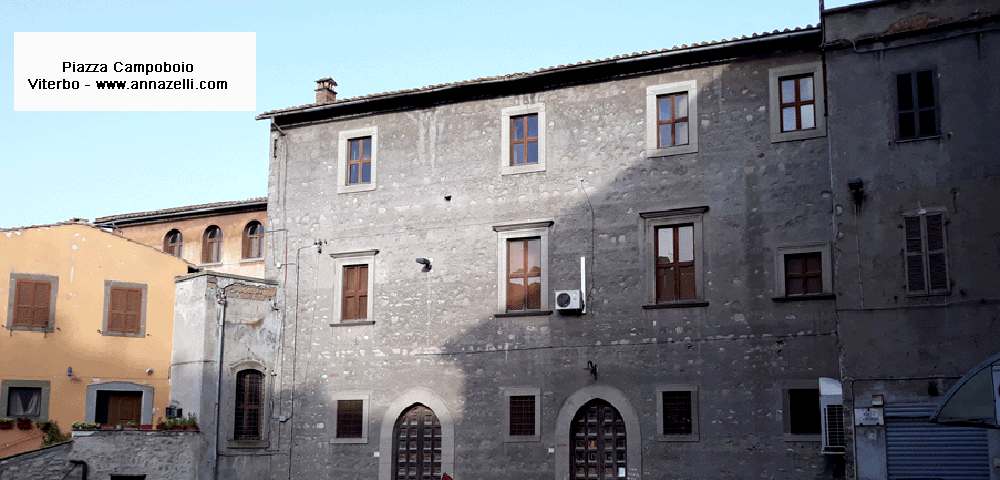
912	92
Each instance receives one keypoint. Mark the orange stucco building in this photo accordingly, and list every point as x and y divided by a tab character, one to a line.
227	237
89	318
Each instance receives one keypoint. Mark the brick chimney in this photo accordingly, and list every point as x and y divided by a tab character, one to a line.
324	90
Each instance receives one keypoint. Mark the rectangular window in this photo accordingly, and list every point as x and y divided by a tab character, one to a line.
798	103
524	140
355	302
916	105
359	161
522	415
675	278
804	273
524	274
677	413
804	411
125	312
24	402
249	404
672	120
350	418
926	254
32	305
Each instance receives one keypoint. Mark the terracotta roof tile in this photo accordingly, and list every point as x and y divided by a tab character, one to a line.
187	208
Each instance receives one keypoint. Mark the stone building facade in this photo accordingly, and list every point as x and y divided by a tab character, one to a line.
581	179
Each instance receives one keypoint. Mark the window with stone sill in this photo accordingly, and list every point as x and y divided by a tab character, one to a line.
674	257
350	417
522	254
357	160
523	139
677	413
31	302
672	118
353	282
803	272
797	102
522	422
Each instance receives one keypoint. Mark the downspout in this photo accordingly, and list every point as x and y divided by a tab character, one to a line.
218	383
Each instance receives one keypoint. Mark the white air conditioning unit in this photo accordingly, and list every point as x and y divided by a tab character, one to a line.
569	300
831	400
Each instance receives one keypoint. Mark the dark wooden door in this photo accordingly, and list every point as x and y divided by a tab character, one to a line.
124	407
417	445
599	445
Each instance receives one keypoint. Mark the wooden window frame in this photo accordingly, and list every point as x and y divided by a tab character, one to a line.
361	161
174	245
804	273
514	231
522	143
343	260
343	159
525	274
924	254
775	75
507	142
916	109
674	265
672	121
652	221
826	260
41	317
662	436
253	242
513	392
241	401
653	93
334	421
797	102
208	246
113	288
43	385
360	312
94	391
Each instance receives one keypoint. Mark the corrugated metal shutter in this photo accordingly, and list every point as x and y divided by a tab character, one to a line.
919	449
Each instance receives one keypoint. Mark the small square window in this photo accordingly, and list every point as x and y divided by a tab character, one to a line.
124	309
350	417
804	411
677	413
672	118
803	272
24	399
797	102
521	417
916	105
523	139
357	160
31	302
523	273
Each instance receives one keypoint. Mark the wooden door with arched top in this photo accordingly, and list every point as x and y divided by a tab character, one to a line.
597	436
416	445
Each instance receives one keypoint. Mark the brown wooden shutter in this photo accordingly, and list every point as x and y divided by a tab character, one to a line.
40	304
937	254
355	301
133	310
246	242
915	282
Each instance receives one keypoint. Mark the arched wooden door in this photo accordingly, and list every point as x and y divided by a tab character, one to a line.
599	443
416	445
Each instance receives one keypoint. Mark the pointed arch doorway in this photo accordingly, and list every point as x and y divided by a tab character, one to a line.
598	443
416	445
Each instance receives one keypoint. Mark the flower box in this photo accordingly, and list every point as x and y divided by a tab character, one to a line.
145	427
24	423
6	425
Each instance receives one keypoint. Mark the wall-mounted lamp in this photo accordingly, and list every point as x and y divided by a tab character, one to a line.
592	369
426	262
149	371
319	245
857	188
69	372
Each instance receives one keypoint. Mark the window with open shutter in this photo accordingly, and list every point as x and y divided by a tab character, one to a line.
926	254
31	303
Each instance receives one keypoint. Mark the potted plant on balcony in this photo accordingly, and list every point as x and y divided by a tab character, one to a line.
131	426
6	423
191	423
161	424
24	423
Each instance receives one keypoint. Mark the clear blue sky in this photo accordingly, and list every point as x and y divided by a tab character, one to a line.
58	165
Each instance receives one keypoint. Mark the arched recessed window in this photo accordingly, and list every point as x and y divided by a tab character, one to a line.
253	240
249	405
416	447
173	243
211	246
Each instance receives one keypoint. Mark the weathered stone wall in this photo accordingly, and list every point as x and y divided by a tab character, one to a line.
435	337
155	454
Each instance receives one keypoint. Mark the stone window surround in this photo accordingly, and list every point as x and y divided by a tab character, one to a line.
229	406
786	421
691	88
620	402
513	231
923	212
774	101
695	431
364	396
43	408
342	150
505	115
408	399
653	220
107	308
779	269
53	294
516	392
344	259
146	415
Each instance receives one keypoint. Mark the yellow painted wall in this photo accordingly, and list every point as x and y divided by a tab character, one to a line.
83	257
193	230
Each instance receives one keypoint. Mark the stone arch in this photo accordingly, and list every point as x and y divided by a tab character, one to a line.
568	411
430	400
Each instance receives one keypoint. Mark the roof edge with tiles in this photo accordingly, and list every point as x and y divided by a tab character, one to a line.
205	209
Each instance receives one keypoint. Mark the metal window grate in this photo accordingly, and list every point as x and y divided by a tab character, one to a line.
677	413
522	415
249	400
350	418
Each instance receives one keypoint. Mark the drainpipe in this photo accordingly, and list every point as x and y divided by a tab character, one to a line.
218	383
